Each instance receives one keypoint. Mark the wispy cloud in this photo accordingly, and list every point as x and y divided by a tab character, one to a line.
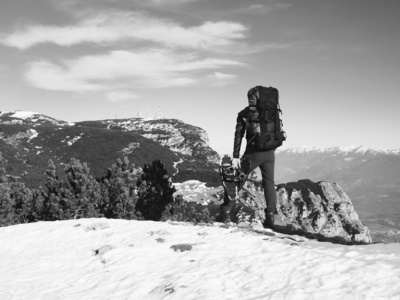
165	2
121	96
221	79
122	69
110	27
262	8
223	76
167	53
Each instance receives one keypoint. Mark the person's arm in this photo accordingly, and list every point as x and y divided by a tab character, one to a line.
239	133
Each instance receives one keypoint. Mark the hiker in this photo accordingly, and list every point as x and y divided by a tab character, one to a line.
262	125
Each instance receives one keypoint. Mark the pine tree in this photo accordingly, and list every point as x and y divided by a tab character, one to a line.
50	201
7	213
119	190
85	189
155	191
15	199
3	164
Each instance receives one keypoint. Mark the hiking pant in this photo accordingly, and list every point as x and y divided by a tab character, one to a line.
265	160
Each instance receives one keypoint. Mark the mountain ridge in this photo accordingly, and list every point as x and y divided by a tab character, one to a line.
29	139
352	149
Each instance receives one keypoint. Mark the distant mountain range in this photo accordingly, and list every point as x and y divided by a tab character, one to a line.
28	140
355	169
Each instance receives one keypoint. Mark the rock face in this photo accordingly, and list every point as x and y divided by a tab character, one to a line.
174	134
317	208
322	208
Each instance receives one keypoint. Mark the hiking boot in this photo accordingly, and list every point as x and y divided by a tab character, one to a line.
226	212
269	221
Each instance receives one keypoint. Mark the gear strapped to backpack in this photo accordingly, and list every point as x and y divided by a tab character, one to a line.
264	125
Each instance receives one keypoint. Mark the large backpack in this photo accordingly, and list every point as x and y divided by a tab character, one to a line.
264	125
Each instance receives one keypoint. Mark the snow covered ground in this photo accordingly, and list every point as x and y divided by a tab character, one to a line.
119	259
197	191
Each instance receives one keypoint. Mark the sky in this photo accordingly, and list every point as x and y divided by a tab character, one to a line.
336	64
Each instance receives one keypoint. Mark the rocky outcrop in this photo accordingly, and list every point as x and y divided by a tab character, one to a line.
174	134
315	208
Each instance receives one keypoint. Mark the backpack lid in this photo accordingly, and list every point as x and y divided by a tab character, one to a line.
253	95
263	98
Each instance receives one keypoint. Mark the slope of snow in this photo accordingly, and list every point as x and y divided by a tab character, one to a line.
23	114
30	116
119	259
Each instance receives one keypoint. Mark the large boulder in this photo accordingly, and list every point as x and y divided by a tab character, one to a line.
321	209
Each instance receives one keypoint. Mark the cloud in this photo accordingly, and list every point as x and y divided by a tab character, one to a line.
115	26
221	79
265	8
165	2
222	76
123	69
121	96
46	75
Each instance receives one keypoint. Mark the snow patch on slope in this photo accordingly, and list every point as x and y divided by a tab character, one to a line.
175	166
131	147
34	134
73	140
197	191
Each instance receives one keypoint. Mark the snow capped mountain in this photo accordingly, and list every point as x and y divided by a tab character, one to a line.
347	150
28	117
353	149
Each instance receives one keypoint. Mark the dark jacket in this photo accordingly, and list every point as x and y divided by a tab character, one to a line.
241	123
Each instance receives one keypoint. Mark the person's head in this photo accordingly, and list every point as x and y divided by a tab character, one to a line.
253	95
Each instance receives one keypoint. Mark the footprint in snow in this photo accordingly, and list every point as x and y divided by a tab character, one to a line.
182	247
96	226
158	232
102	250
166	288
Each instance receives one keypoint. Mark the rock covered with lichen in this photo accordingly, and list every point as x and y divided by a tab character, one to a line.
320	208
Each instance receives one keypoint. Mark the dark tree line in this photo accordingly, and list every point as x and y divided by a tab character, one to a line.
125	192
